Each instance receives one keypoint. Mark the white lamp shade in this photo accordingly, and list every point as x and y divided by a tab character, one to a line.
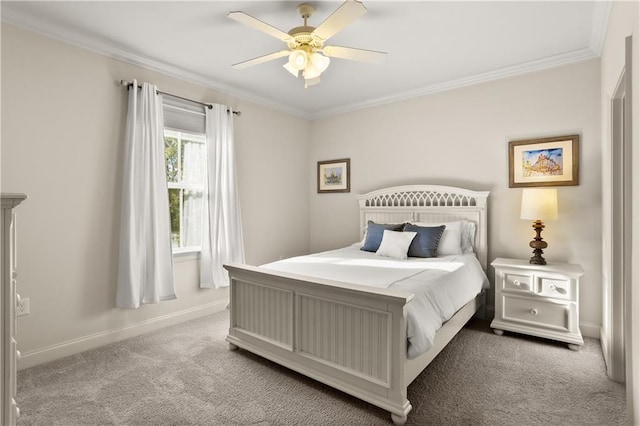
320	62
311	72
311	65
291	69
539	204
298	59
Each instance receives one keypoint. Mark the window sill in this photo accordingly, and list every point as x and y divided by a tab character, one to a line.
183	255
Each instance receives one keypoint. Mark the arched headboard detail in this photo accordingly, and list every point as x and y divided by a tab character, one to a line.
428	203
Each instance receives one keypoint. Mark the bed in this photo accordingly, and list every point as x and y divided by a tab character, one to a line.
347	335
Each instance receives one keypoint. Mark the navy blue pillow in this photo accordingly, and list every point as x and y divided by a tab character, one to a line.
375	232
425	244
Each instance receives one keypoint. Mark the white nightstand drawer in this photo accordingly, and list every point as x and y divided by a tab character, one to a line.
557	288
517	282
538	312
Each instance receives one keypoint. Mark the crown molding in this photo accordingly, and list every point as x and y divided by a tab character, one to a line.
510	71
86	42
599	25
600	20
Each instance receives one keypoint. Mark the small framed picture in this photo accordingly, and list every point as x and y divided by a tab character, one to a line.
544	162
334	176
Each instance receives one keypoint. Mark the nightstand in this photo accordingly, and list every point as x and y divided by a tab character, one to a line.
539	300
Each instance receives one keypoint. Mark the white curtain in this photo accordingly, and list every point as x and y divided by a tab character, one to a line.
145	269
222	240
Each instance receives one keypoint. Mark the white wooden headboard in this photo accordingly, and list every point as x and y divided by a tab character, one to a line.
428	203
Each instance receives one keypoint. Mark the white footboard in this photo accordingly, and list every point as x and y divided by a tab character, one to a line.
350	337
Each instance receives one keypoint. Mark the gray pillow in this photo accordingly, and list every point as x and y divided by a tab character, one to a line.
375	232
425	244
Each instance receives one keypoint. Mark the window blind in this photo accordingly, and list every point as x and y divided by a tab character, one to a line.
183	115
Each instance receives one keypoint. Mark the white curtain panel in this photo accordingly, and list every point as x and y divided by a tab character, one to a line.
145	269
222	240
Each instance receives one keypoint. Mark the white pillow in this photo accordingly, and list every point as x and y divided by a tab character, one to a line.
468	236
458	237
395	244
451	239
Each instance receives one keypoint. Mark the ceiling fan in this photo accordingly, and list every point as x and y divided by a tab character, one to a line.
307	53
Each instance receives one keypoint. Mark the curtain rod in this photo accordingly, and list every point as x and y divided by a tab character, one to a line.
128	84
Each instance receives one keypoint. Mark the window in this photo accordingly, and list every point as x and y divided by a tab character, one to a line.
185	165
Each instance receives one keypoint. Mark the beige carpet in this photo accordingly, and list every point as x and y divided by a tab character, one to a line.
185	375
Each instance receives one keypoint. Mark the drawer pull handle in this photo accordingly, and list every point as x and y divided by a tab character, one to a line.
533	312
516	283
557	289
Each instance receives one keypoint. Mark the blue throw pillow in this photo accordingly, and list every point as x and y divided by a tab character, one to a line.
375	232
425	244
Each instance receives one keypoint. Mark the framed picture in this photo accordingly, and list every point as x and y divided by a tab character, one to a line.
544	162
334	176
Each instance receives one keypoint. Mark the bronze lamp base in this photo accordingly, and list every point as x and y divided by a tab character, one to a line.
537	245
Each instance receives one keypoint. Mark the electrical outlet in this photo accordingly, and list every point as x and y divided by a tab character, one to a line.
22	306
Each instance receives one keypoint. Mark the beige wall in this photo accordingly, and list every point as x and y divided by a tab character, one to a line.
459	138
624	21
63	117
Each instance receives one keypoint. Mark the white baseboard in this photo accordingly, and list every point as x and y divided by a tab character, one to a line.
590	330
604	344
71	347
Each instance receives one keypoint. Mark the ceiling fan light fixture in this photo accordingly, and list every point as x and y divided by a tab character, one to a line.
306	44
320	62
291	69
311	81
311	72
298	59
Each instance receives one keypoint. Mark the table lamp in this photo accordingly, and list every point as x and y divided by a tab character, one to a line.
539	204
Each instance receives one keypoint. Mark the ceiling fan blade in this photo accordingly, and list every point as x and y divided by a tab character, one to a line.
350	53
348	12
261	59
257	24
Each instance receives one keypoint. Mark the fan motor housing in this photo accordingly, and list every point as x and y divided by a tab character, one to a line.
304	36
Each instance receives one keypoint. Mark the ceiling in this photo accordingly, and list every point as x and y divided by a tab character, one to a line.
432	46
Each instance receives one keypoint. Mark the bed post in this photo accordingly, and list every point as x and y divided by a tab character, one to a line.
398	389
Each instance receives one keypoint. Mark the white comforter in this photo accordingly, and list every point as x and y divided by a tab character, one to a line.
441	285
